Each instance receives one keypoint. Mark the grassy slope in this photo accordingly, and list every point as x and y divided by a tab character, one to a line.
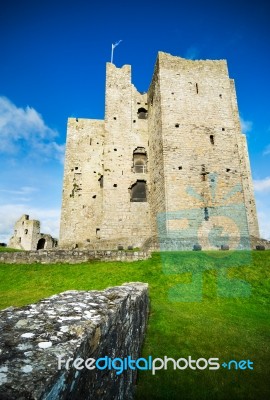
228	328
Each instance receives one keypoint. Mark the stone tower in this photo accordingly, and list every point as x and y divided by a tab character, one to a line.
27	236
176	151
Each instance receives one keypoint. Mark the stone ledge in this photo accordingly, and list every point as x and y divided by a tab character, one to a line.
70	256
88	324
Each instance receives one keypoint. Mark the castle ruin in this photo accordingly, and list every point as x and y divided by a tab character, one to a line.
27	236
158	152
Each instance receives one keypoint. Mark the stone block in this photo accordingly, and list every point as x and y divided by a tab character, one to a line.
37	340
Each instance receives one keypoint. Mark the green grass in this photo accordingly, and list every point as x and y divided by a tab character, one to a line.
8	249
224	327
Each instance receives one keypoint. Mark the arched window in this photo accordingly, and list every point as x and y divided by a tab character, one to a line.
142	113
140	160
138	192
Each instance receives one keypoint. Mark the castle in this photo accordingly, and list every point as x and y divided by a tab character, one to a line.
176	149
27	236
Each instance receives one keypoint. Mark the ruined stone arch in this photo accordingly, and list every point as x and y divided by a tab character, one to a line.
41	244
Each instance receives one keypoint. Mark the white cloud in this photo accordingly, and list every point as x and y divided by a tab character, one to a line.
264	226
10	213
262	185
24	129
246	125
263	212
25	190
24	137
192	53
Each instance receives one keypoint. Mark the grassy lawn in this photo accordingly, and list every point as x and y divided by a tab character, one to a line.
7	249
215	325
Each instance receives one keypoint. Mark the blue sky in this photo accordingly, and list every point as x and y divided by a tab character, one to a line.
52	66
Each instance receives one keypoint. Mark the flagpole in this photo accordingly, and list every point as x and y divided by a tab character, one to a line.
112	53
113	47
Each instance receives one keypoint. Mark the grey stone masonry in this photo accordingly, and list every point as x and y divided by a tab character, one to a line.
37	340
70	256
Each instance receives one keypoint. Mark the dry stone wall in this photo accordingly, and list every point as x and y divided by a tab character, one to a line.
70	256
72	325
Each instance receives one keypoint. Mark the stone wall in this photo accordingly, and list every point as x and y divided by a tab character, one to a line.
70	256
72	325
168	243
82	192
157	195
125	132
99	171
203	167
248	189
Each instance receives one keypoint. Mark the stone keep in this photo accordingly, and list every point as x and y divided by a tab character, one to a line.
177	147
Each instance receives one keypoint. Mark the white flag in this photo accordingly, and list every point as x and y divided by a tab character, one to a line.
113	47
116	44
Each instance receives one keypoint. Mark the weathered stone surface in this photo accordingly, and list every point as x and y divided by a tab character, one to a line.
72	324
260	242
70	256
156	243
196	158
